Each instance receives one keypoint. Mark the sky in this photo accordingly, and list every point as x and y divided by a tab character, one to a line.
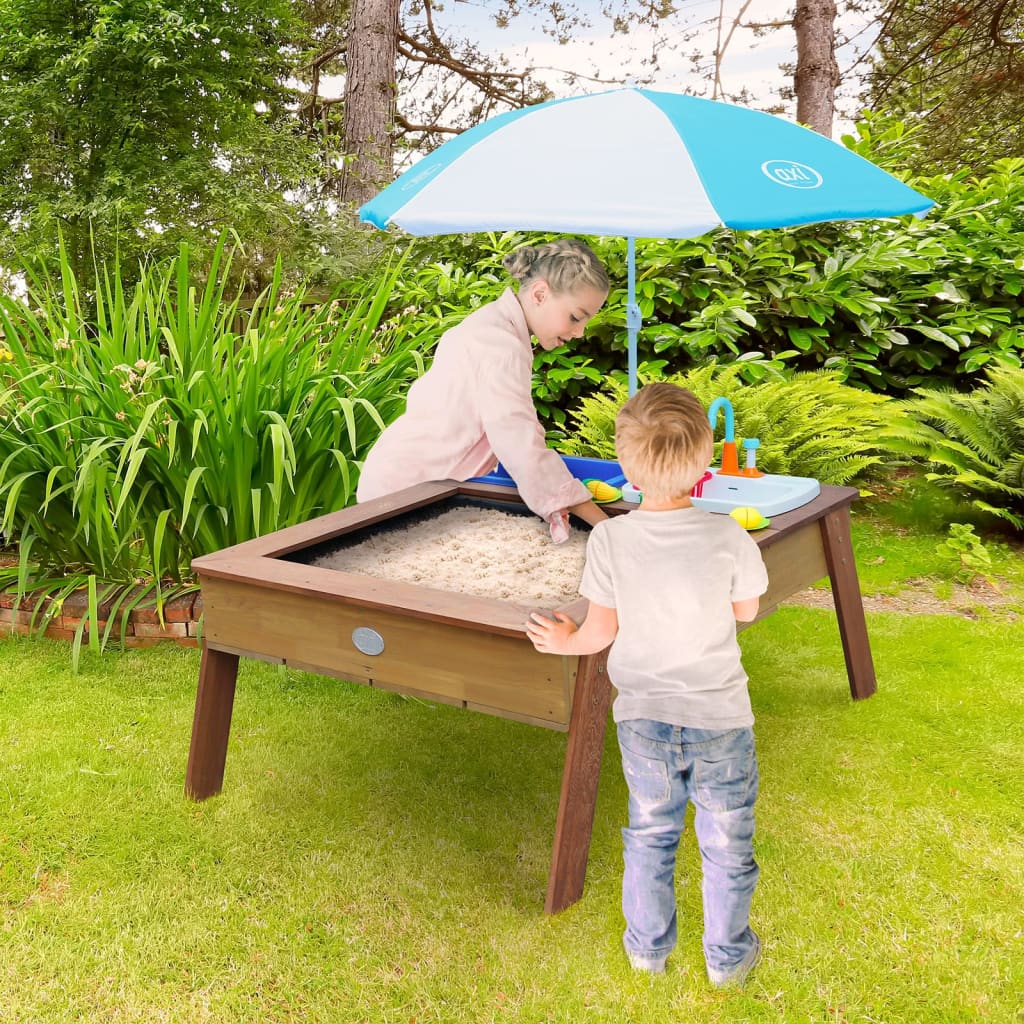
750	61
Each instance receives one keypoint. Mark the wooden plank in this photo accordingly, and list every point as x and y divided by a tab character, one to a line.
830	499
795	562
491	615
270	659
448	661
558	726
334	524
512	717
254	560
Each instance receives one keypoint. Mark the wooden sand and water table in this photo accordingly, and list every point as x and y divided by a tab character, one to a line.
269	599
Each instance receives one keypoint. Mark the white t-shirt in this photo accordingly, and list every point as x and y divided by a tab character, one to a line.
672	577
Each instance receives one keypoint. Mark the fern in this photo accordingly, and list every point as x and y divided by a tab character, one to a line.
808	425
975	441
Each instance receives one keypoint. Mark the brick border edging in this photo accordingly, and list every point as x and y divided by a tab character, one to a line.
181	618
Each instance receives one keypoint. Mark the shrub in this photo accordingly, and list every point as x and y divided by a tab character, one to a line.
889	304
810	425
174	423
975	442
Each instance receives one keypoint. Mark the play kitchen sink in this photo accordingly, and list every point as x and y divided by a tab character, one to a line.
771	495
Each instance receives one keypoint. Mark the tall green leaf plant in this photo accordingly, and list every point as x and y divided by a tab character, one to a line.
176	422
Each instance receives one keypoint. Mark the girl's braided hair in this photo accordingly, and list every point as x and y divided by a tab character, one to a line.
566	264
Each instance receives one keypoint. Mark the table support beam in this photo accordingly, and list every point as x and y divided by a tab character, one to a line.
211	724
578	800
853	630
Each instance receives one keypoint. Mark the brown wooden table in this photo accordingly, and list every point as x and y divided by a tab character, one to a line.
260	600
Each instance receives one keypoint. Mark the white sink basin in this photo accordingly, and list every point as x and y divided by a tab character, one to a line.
771	495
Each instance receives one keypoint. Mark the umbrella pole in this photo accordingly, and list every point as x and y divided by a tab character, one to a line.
633	318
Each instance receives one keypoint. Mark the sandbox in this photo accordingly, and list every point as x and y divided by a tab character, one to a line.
267	599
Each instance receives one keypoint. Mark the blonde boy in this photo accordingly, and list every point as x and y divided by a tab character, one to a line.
666	585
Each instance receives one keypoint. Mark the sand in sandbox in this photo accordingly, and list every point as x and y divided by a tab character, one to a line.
479	551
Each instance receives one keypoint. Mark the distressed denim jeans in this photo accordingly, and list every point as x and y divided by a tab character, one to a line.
666	766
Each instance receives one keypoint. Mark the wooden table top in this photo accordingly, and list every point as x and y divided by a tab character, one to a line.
259	562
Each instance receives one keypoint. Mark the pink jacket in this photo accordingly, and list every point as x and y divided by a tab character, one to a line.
471	409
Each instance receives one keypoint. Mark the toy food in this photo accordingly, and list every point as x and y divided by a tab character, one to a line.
749	518
602	492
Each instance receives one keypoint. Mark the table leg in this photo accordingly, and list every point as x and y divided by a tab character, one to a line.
591	700
211	724
842	570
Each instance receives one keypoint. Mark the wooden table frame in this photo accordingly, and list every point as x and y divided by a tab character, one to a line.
245	588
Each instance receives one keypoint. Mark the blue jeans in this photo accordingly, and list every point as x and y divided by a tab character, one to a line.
665	766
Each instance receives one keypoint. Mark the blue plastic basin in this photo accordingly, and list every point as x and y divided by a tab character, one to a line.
581	468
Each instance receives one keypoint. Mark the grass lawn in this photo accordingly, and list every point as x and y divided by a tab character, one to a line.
374	858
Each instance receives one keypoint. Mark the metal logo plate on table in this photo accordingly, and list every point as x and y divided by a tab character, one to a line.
368	641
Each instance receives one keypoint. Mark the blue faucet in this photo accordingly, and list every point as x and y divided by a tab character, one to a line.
730	461
730	425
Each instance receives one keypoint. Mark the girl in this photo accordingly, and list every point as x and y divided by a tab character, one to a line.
474	406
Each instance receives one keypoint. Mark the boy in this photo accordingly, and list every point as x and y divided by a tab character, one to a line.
667	583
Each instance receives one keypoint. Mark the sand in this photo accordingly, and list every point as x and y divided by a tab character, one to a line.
479	551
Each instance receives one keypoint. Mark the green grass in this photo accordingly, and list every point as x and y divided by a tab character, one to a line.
891	558
374	858
901	521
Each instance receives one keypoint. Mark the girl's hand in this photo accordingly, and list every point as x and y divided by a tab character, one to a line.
559	524
590	512
550	636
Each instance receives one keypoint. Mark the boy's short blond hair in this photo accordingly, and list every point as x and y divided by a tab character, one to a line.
663	440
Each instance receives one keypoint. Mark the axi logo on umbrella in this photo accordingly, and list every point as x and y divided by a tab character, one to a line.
791	174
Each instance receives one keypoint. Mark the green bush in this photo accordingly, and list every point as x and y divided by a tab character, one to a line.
975	442
810	425
889	305
965	554
174	423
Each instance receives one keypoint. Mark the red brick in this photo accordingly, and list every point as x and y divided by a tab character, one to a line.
26	604
179	609
171	629
76	604
28	618
142	641
59	633
144	629
72	623
144	612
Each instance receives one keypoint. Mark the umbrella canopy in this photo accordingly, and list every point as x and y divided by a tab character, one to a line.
638	163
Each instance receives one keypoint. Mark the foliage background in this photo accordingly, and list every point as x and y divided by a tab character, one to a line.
173	423
131	127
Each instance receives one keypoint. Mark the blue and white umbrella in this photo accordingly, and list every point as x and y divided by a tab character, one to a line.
641	164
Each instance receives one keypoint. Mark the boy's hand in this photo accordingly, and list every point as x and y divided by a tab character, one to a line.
550	636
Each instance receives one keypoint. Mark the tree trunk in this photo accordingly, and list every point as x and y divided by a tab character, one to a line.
370	90
817	73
